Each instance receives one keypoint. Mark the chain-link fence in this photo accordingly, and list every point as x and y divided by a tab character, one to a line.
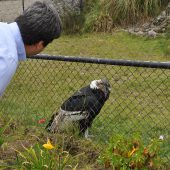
139	99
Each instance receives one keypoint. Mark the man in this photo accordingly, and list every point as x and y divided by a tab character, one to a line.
30	33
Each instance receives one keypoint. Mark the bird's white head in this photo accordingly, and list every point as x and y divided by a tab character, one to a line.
94	84
101	84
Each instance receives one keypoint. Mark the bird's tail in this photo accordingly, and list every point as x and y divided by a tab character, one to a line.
53	125
65	119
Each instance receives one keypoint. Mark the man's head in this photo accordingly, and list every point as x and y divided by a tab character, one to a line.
39	25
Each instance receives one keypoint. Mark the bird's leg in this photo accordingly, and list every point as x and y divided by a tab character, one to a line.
86	134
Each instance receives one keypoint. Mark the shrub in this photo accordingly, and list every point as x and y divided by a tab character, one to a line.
2	130
73	23
131	153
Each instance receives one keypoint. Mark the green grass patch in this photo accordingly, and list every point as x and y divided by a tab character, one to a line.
119	45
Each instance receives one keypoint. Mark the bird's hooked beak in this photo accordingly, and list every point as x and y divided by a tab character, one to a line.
107	91
106	87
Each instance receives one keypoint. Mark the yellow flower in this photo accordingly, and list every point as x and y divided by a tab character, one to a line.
131	153
48	145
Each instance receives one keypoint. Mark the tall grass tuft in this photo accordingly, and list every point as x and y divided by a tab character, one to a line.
123	12
166	47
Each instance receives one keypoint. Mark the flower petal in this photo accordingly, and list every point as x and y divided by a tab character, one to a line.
41	121
48	146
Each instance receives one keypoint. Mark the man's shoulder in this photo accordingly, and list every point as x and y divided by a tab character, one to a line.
7	42
4	30
3	25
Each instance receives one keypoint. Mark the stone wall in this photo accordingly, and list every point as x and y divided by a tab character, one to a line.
10	9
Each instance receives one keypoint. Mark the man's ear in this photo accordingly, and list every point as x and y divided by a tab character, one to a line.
39	45
35	48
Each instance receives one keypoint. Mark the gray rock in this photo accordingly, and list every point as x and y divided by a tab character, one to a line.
152	34
157	25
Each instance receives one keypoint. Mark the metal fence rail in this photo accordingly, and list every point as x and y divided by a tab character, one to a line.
139	99
149	64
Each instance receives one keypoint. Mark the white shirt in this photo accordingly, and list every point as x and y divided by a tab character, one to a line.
11	51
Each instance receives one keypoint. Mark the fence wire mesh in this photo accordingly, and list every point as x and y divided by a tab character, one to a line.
139	98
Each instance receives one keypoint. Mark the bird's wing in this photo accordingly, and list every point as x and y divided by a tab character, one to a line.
78	101
93	107
85	91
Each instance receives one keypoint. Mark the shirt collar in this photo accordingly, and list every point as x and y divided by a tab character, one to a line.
19	42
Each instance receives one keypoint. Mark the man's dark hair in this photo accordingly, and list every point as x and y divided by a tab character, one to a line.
39	22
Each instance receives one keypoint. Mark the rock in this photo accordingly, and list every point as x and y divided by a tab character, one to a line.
136	30
141	33
152	34
157	25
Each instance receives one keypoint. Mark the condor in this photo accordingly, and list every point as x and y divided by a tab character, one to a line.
81	108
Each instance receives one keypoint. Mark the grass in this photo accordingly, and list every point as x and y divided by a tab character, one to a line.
118	45
139	99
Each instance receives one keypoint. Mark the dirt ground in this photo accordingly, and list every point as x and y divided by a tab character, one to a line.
10	9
